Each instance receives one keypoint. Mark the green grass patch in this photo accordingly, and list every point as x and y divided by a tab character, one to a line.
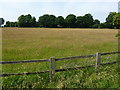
39	43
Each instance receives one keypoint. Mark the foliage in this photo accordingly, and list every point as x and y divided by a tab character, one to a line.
103	25
70	20
88	20
1	21
48	21
116	20
96	21
118	35
96	26
109	20
11	24
60	22
26	21
80	22
52	21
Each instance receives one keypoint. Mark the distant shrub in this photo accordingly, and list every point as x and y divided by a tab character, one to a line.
117	35
95	26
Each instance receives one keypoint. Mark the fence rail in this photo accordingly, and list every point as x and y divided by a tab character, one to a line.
56	59
25	61
52	64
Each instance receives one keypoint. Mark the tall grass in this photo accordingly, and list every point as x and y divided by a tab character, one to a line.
42	43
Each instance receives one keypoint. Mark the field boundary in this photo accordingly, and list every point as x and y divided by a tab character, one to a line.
52	64
56	59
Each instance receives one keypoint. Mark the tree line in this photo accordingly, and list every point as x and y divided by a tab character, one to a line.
71	21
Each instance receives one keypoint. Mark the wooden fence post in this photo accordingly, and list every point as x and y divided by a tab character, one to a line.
98	56
52	68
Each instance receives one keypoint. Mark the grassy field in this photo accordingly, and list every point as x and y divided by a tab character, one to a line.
43	43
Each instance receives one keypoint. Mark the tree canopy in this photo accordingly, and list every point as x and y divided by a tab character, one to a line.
70	21
1	21
109	20
88	20
60	22
116	20
80	22
26	21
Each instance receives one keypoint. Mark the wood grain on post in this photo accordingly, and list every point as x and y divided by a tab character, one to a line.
52	67
97	61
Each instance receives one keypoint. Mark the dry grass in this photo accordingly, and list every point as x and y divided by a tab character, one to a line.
69	41
41	43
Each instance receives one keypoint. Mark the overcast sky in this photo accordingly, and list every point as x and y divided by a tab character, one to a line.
10	10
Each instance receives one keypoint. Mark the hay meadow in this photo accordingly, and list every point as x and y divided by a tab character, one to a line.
43	43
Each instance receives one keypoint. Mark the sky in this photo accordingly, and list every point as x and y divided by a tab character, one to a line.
10	10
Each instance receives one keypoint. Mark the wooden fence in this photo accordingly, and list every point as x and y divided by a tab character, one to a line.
52	64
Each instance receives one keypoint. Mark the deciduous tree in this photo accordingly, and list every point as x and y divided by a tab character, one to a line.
70	20
26	21
116	20
60	21
1	21
88	20
109	20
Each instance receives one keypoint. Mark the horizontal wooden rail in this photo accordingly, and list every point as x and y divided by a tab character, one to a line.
76	68
52	64
75	57
110	63
57	70
25	61
56	59
110	53
45	60
25	73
